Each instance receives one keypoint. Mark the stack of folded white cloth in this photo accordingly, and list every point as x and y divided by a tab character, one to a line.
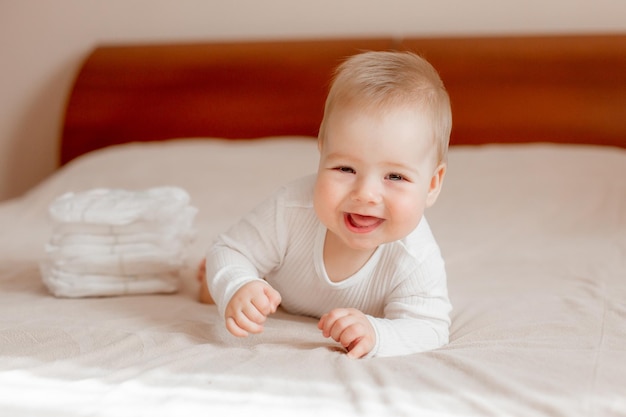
113	242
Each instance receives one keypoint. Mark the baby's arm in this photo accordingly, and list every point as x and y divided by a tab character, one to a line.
415	316
237	261
248	309
351	328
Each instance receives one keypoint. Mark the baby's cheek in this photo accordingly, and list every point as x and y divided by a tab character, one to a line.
407	213
324	203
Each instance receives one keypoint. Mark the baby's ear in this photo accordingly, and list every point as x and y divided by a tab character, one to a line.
435	184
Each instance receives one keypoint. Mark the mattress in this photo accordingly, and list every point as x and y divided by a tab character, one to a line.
534	239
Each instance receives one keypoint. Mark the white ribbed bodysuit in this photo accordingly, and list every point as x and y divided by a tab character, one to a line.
402	287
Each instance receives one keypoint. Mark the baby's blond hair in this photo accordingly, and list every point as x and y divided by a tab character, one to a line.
384	80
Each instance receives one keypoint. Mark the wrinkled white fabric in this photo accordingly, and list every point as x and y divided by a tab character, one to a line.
534	239
114	207
121	263
177	223
115	241
73	250
67	284
155	238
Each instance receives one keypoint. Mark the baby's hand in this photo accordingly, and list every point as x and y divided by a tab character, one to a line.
351	328
248	309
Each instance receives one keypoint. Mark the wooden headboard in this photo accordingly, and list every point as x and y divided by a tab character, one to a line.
564	89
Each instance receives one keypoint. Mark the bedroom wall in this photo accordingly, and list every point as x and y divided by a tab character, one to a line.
43	42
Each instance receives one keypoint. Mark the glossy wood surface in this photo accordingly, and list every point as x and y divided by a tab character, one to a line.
569	89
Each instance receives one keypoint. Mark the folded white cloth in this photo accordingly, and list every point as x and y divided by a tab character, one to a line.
119	207
75	250
121	263
176	223
114	242
154	238
67	284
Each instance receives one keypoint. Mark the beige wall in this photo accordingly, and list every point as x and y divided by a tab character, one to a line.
43	41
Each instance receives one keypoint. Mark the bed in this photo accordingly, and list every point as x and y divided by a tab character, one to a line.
531	222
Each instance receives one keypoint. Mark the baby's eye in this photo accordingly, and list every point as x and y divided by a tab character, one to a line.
395	177
347	170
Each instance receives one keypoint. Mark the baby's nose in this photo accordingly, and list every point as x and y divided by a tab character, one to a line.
367	191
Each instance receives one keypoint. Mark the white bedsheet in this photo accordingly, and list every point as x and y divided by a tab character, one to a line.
534	237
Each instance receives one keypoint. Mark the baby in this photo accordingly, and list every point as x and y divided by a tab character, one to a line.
350	245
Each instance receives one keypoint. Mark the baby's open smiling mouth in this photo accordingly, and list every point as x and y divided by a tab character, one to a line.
362	224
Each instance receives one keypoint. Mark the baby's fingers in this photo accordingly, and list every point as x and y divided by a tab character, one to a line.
265	304
351	329
331	322
240	324
234	329
273	298
358	349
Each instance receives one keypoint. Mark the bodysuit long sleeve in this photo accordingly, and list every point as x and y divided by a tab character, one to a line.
402	288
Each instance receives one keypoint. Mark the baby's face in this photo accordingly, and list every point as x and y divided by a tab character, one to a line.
377	174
